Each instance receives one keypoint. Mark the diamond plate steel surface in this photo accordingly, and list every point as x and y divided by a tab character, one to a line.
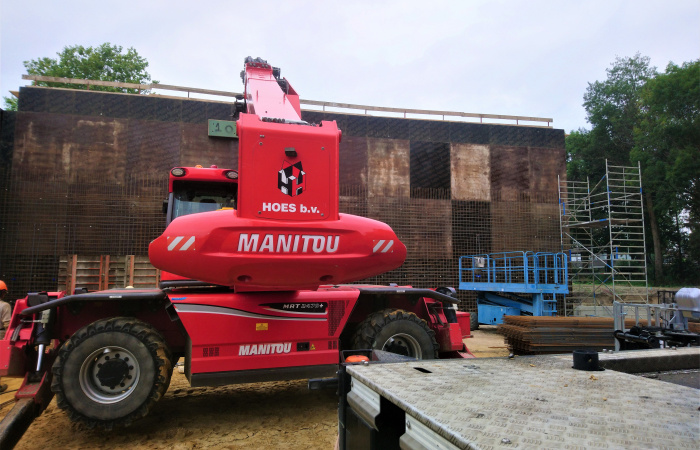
537	402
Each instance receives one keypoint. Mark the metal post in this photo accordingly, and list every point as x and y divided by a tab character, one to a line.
644	237
610	243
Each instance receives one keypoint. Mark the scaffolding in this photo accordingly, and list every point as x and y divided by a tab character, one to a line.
602	232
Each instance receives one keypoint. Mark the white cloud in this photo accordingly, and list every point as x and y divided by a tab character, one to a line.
531	58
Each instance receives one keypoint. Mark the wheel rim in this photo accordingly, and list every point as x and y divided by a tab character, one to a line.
109	374
403	344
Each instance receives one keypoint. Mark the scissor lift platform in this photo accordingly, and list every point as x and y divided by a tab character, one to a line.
502	280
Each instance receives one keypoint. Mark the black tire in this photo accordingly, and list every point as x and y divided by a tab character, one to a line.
111	372
473	321
397	331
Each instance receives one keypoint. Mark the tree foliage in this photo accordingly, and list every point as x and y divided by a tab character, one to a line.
637	114
10	103
667	142
578	147
612	109
105	62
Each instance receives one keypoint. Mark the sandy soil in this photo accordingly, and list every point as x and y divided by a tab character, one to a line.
261	416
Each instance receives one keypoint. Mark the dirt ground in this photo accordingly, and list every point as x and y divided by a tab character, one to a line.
251	416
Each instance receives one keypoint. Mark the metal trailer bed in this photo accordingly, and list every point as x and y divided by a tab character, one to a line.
525	402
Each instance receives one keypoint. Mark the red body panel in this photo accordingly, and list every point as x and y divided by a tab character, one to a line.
15	360
233	332
464	320
213	174
191	175
13	355
264	96
450	338
266	164
267	255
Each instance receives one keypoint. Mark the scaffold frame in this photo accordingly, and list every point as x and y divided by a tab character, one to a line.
602	233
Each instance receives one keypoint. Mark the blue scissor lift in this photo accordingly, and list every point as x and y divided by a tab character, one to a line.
502	278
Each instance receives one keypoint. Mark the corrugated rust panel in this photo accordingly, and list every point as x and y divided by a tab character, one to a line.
423	225
510	172
545	165
152	147
428	234
471	228
545	221
89	103
32	99
430	168
43	142
353	200
7	142
388	167
353	161
196	147
471	172
99	144
511	226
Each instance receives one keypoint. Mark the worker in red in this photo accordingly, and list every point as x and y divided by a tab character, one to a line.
5	316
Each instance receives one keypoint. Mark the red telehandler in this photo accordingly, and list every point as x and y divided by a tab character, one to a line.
256	262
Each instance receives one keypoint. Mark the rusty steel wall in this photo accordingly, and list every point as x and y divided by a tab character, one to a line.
86	173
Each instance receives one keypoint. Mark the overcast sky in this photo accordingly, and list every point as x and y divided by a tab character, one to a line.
528	58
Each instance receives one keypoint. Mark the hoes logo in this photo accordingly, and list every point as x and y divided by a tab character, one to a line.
291	179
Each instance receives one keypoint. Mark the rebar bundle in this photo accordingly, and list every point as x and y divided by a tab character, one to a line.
540	335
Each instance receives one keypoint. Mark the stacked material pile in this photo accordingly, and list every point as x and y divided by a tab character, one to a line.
539	335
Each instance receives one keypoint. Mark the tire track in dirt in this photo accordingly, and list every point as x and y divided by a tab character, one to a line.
264	415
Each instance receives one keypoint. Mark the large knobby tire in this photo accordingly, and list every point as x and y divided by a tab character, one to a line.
473	321
111	372
397	331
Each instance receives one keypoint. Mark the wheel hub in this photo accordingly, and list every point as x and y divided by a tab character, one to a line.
109	374
403	344
112	372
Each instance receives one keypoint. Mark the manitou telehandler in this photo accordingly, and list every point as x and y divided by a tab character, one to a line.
255	260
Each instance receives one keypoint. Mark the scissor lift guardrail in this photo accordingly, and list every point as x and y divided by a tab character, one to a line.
543	275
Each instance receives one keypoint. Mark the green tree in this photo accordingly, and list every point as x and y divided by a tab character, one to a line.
578	147
10	103
667	142
612	109
105	62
